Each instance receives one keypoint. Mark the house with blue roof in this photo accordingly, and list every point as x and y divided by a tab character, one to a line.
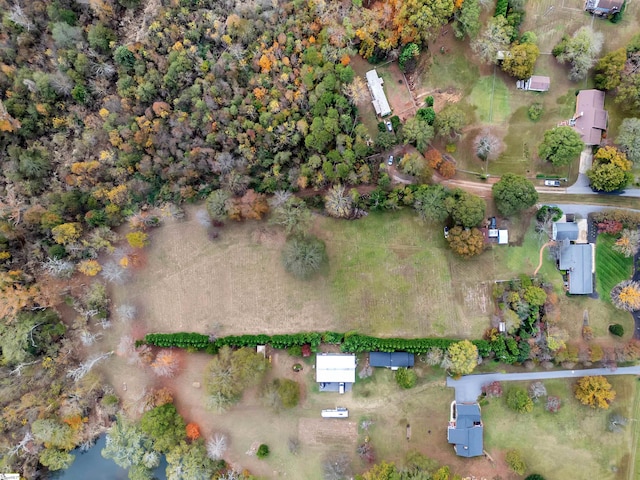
465	430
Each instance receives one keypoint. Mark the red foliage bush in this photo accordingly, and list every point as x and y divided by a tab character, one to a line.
492	390
553	404
612	227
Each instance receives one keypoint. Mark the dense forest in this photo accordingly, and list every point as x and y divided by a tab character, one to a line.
110	109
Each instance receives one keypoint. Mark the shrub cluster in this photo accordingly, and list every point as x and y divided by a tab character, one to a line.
628	218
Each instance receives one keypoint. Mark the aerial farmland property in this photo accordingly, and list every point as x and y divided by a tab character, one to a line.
323	240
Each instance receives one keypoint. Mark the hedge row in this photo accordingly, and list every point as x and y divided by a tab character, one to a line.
356	343
349	342
190	341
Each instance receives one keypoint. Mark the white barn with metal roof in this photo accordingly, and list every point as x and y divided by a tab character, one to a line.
378	98
335	368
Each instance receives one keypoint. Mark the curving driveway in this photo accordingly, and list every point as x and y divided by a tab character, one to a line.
469	387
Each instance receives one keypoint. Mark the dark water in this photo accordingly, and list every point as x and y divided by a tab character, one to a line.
92	465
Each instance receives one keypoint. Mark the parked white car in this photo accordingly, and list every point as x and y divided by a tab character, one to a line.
552	183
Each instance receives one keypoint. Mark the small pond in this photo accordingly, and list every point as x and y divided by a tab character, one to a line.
90	464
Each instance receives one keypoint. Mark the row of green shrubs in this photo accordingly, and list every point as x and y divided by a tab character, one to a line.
349	342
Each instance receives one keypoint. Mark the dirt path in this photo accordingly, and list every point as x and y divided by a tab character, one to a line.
549	243
481	189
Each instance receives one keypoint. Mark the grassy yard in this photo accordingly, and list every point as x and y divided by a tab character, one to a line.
572	443
491	96
611	267
391	274
452	70
595	199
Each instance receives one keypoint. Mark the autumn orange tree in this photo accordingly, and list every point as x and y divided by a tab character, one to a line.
434	158
466	242
595	392
447	169
193	431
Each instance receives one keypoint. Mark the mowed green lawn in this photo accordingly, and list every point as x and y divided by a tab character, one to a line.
389	275
490	96
571	444
611	267
452	70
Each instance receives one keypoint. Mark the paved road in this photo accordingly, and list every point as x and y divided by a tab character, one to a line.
584	209
469	387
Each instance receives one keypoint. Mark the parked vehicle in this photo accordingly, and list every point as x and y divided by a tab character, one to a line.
389	126
492	223
390	161
552	183
339	412
446	232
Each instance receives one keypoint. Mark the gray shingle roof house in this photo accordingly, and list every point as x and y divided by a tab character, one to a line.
537	83
392	360
565	231
603	7
378	98
577	260
465	429
591	119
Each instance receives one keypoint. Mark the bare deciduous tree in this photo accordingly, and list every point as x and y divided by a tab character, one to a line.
537	390
203	218
294	445
166	364
85	367
336	467
19	17
628	242
434	356
87	338
114	272
279	198
126	312
487	146
356	91
217	446
617	422
59	268
22	445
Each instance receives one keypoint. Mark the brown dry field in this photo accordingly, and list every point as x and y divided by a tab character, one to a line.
233	285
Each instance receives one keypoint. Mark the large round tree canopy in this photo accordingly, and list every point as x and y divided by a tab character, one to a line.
514	193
